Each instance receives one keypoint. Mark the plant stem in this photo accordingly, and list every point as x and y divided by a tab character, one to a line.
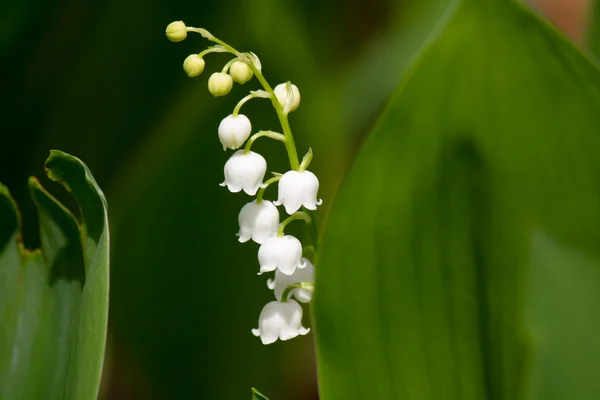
290	145
293	217
261	191
298	285
259	134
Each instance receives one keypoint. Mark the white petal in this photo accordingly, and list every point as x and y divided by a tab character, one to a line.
268	338
303	331
287	334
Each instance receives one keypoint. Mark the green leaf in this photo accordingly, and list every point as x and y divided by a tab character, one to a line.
432	283
593	34
256	395
54	301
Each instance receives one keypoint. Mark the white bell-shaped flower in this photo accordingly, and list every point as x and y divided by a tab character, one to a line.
281	281
244	171
280	320
233	131
283	253
297	189
258	221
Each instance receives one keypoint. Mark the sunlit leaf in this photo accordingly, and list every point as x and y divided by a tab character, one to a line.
429	259
54	301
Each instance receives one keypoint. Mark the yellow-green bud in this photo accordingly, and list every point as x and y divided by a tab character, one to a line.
240	72
193	65
176	31
219	84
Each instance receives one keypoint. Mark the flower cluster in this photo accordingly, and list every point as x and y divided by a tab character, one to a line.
259	220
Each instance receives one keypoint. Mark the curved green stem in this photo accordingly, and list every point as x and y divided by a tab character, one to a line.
261	191
213	49
285	296
293	217
253	94
259	134
290	145
226	67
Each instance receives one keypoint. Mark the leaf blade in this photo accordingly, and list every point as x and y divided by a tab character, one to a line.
420	295
54	307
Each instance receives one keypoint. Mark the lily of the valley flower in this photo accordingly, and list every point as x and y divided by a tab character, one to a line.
233	131
258	221
244	171
283	253
280	320
281	281
297	189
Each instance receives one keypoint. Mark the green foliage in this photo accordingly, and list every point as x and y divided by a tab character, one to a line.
54	301
460	259
256	395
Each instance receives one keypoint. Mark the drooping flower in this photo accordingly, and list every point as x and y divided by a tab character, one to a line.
244	171
283	253
282	94
258	221
297	189
281	281
279	320
233	131
219	84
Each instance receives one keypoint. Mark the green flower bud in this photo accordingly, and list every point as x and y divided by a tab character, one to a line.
240	72
193	65
219	84
176	31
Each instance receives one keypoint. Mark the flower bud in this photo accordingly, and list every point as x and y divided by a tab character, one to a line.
176	31
282	94
244	171
283	253
233	131
193	65
258	221
240	72
219	84
297	189
279	320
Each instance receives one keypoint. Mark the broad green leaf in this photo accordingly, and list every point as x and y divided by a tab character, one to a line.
593	34
54	301
432	282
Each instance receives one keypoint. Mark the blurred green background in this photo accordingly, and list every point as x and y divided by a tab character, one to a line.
100	80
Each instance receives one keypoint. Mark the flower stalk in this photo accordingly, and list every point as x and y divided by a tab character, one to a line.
245	171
